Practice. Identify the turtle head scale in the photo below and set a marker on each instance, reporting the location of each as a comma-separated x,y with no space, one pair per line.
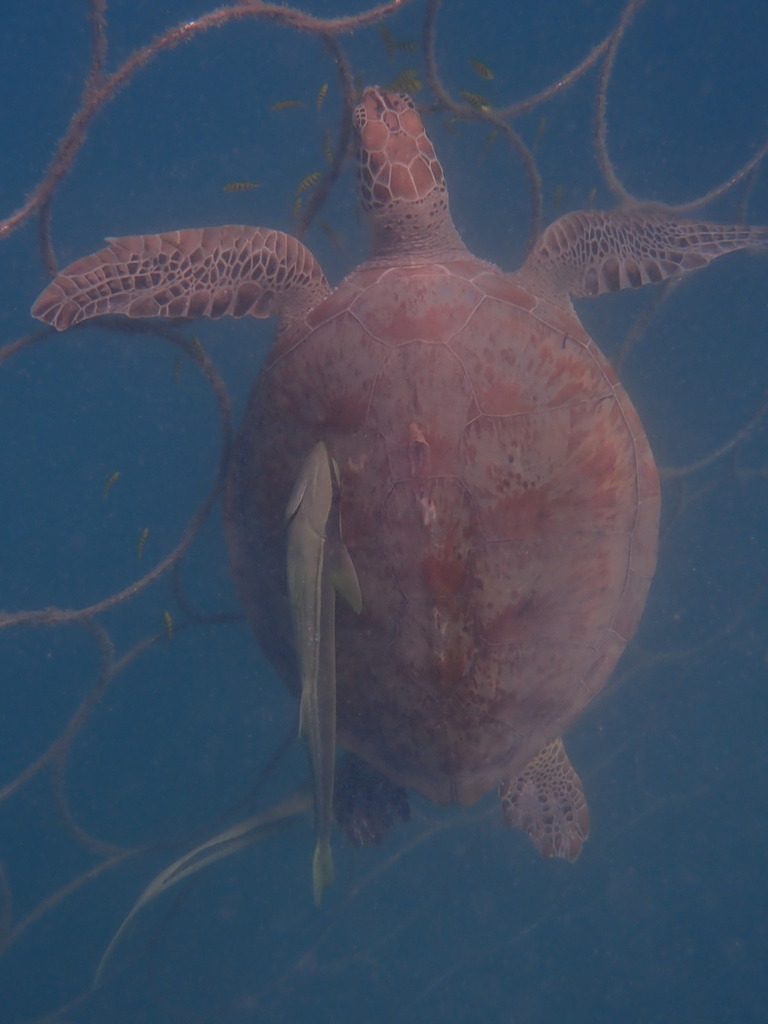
401,182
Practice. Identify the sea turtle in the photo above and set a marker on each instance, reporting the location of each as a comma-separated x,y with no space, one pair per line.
456,458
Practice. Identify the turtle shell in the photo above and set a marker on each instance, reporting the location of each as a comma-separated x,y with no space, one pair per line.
499,501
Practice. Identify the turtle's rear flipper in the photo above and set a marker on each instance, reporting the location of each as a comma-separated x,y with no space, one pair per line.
366,803
547,802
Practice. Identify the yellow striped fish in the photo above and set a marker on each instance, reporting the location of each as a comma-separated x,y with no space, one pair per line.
142,541
111,483
477,100
481,69
307,182
407,81
241,186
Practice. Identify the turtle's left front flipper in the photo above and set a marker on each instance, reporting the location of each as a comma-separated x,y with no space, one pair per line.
234,270
318,566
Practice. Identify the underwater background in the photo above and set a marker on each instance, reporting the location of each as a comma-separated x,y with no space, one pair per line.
664,916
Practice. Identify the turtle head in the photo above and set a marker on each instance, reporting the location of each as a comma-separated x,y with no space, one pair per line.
401,182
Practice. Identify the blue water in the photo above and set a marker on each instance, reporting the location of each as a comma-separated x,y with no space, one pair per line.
663,918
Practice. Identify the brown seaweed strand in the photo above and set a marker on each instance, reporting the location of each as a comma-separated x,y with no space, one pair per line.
98,25
601,132
9,350
111,669
746,193
720,190
53,616
295,18
100,94
610,176
468,112
62,742
6,908
97,18
59,616
640,324
524,106
531,169
55,898
319,194
61,748
741,435
431,72
519,107
45,244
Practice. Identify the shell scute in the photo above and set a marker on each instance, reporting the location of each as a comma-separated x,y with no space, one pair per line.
328,376
434,567
422,436
420,303
502,287
547,589
519,363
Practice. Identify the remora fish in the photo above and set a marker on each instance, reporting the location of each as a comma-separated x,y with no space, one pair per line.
318,566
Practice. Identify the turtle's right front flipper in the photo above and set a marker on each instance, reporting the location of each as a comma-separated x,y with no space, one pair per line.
591,252
233,270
